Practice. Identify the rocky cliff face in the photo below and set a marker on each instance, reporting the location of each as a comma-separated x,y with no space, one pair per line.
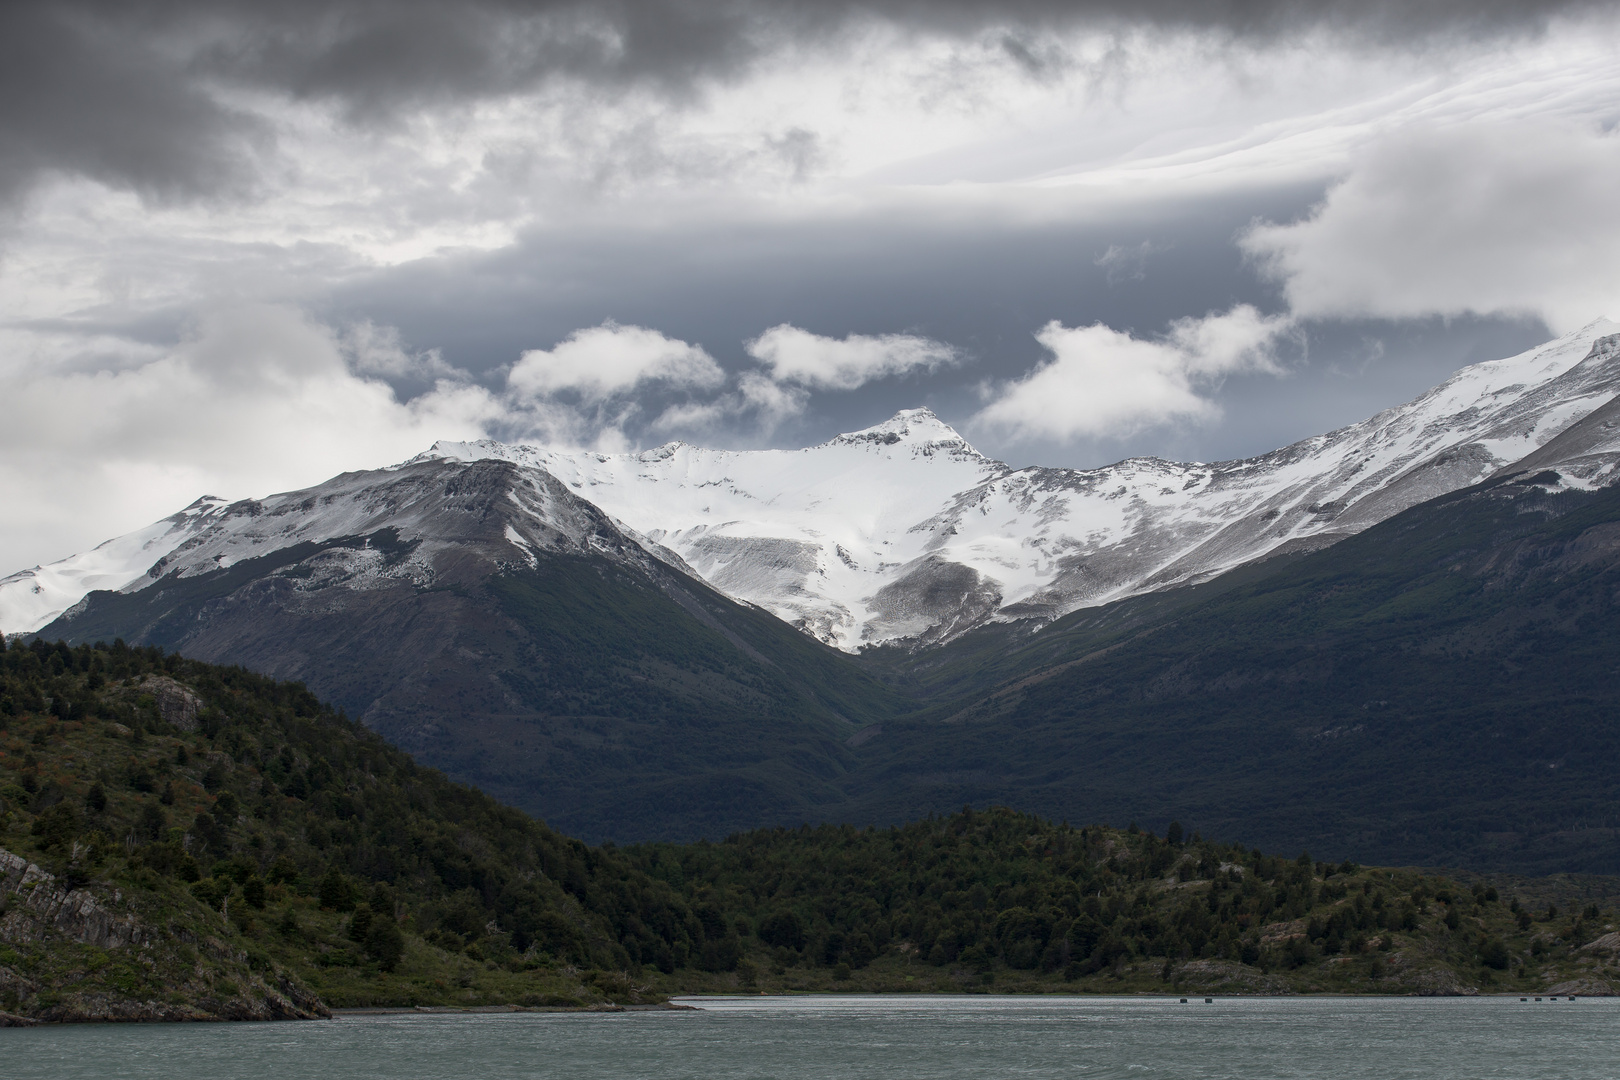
42,978
41,908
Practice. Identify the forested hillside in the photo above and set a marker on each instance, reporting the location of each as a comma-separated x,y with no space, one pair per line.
187,840
1437,690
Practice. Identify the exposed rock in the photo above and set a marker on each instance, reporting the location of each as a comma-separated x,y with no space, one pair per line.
15,985
1607,945
44,908
1272,933
42,913
106,1008
302,998
1209,974
177,704
1586,987
1437,982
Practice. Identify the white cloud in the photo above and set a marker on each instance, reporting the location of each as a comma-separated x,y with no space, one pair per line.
1487,218
770,401
608,360
794,362
758,400
257,399
379,350
797,356
1241,340
1102,382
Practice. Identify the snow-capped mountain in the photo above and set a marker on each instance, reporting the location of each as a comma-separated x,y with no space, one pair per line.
905,532
431,513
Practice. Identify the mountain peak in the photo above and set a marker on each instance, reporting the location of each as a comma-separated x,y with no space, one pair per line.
918,428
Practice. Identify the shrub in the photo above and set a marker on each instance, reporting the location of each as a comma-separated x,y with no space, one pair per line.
211,892
384,942
336,892
57,826
1494,954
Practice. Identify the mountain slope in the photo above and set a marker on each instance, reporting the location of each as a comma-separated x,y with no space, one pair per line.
482,617
1439,689
904,532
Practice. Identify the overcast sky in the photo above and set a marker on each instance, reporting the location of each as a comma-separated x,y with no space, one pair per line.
244,247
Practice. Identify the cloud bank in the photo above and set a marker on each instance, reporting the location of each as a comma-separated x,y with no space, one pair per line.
153,96
258,398
609,360
1490,217
212,216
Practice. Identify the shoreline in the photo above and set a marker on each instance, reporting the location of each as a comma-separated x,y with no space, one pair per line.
451,1010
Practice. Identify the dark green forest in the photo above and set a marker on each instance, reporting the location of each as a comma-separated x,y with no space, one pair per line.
216,804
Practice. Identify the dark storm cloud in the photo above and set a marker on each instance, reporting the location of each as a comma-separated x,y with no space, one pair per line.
78,96
125,92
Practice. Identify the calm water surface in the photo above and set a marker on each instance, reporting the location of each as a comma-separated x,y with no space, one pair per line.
893,1038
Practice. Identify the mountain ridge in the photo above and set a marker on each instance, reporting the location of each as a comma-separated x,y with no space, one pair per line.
904,532
799,536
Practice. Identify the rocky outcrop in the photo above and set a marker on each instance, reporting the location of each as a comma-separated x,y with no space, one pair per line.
1606,946
40,908
111,1009
1438,982
41,915
1586,987
177,704
15,987
1229,976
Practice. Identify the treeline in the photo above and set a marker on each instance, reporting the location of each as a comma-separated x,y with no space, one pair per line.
983,889
135,766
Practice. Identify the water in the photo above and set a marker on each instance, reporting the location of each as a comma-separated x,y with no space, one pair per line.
853,1038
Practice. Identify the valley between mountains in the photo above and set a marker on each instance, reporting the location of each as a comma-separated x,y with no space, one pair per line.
1395,642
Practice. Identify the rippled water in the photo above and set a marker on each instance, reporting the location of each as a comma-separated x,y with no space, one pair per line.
893,1038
